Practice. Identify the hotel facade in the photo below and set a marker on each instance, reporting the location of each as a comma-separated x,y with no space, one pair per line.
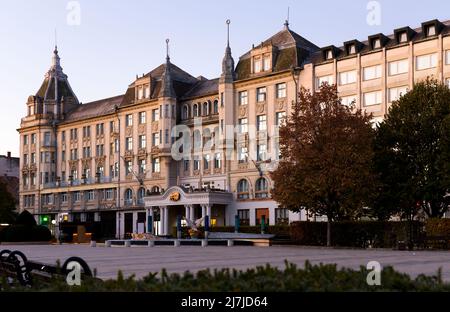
175,145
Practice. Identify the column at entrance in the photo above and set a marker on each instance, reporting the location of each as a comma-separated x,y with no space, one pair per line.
164,213
187,212
192,212
150,220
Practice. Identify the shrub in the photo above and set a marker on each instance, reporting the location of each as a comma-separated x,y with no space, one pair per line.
21,233
280,231
26,219
359,234
437,227
311,278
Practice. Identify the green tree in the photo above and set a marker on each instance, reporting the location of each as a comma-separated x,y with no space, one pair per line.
412,149
7,205
326,161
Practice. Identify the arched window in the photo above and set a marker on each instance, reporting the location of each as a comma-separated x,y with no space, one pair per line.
216,107
195,110
141,194
261,188
242,189
185,112
205,109
128,196
156,189
197,139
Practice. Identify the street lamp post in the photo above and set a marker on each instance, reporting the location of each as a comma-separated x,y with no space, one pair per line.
116,108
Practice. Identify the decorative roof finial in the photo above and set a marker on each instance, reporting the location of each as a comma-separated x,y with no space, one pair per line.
56,43
286,23
228,32
167,51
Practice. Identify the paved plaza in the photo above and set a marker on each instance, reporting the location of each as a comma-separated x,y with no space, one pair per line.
141,260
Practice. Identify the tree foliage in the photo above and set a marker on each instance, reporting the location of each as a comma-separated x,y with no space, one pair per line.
326,157
7,205
412,150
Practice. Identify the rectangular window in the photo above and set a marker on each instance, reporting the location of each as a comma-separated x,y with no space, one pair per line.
128,167
63,155
142,166
109,194
266,62
280,119
242,154
63,137
373,98
86,152
348,100
324,79
87,132
142,141
142,118
64,197
186,165
243,98
25,139
256,64
371,72
217,161
99,129
90,195
261,150
347,77
426,61
431,31
116,145
129,120
46,138
155,114
25,159
196,163
99,150
398,67
155,139
243,125
33,158
111,127
261,94
33,138
156,165
447,57
403,37
281,90
129,144
166,136
261,123
206,160
244,216
281,216
396,93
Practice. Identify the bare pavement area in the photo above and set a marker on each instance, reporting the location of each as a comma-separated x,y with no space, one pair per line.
142,260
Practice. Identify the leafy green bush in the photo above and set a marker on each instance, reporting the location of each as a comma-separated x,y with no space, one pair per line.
359,234
21,233
311,278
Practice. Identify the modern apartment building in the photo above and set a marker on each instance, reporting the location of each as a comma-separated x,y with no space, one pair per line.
175,145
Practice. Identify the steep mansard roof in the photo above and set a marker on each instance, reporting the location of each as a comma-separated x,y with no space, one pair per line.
293,50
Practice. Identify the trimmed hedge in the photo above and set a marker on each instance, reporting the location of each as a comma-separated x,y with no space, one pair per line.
280,231
437,227
311,278
359,234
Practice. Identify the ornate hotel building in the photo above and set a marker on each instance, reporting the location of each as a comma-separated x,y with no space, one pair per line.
116,162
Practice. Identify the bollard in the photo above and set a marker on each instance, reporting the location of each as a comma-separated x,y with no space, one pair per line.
127,243
151,243
176,243
230,243
93,244
108,243
204,242
237,223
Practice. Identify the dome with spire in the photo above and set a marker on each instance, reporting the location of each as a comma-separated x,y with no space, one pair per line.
55,89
